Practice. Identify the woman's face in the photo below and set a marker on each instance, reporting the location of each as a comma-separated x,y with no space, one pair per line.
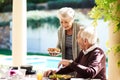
66,23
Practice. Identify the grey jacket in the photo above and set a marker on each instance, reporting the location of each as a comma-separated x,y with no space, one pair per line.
61,40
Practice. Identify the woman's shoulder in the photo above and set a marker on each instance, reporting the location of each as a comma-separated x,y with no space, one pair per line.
78,25
60,28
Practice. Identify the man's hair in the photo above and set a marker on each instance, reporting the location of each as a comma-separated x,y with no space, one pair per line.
90,34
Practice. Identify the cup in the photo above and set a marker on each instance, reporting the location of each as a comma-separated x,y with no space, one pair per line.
23,73
39,76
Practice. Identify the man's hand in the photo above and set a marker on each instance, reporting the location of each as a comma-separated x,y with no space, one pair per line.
64,63
49,72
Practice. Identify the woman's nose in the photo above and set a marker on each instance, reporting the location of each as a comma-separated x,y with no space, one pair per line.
63,24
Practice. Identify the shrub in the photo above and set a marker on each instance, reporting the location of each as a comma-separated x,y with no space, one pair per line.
70,3
5,5
4,24
36,1
7,8
40,7
31,6
5,52
51,20
63,3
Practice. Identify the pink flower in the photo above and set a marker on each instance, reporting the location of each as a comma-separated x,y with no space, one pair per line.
12,72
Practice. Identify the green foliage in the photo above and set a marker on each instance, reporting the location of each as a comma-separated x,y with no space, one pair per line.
56,4
118,8
118,63
5,52
108,10
40,54
40,7
35,19
34,23
7,8
63,3
36,1
5,5
3,24
117,48
1,1
118,26
31,6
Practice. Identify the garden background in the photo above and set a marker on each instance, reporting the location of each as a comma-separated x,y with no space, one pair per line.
42,24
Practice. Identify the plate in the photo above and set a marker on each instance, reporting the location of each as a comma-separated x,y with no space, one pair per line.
60,76
54,51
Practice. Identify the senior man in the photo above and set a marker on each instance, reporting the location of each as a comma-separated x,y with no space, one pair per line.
91,62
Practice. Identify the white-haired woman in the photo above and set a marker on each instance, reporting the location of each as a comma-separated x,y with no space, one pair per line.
67,34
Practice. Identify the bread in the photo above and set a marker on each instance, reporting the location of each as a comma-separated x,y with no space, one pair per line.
56,50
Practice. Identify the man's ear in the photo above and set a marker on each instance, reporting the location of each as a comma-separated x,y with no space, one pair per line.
86,41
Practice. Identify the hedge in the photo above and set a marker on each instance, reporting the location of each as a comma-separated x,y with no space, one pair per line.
70,3
7,52
7,8
4,24
36,1
51,20
31,6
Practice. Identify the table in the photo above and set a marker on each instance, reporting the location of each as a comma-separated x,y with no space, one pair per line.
83,79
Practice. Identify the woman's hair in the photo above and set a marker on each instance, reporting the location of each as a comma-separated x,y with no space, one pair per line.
66,13
90,34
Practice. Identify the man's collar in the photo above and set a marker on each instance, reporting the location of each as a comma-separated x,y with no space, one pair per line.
90,49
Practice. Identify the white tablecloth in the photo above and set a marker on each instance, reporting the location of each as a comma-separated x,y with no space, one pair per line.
82,79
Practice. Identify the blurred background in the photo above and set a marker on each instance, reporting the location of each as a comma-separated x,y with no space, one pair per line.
42,24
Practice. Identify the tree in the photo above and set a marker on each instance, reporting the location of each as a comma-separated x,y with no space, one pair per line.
110,11
5,5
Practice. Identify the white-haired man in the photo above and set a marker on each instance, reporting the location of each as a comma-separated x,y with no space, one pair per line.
91,62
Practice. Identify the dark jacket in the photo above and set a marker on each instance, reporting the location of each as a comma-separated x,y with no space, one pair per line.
93,65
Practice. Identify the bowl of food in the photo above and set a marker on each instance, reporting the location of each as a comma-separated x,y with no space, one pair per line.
54,51
60,77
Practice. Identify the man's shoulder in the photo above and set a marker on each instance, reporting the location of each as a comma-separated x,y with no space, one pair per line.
98,50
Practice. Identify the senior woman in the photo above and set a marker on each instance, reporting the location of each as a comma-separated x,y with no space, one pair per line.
91,62
67,34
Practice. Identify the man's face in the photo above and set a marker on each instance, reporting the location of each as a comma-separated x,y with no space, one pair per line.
80,41
66,23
